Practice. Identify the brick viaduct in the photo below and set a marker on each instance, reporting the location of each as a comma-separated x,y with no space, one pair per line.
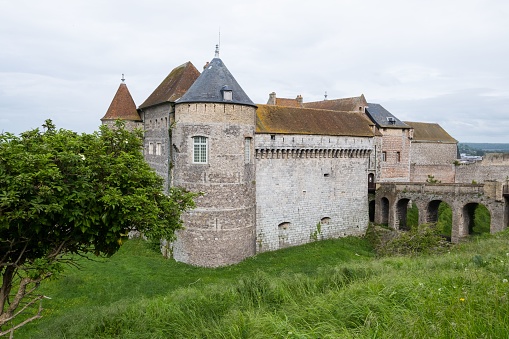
392,199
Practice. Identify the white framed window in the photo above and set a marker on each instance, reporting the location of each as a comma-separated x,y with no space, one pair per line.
150,147
247,150
158,149
200,146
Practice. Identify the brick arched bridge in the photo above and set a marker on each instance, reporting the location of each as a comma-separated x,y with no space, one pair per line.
392,199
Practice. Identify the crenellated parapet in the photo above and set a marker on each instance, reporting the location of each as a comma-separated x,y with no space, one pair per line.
294,153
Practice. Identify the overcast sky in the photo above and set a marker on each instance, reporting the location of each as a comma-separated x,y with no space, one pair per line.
444,61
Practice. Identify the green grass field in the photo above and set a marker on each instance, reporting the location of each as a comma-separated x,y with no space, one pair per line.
328,289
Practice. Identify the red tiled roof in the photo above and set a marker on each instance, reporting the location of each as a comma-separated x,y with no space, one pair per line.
293,120
345,104
174,86
122,106
288,102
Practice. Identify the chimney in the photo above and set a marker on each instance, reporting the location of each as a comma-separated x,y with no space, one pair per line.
272,99
299,100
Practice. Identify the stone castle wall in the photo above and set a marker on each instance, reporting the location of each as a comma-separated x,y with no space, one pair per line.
310,188
435,159
494,166
221,229
156,148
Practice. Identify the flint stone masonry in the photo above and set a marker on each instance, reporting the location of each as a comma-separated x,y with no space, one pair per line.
157,121
221,229
302,188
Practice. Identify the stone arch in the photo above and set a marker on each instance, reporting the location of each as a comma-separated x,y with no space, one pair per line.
473,212
384,211
401,214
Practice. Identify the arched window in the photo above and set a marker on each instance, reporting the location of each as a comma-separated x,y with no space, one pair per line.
200,155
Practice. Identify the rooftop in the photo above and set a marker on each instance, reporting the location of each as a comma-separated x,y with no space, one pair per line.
210,85
173,86
294,120
122,106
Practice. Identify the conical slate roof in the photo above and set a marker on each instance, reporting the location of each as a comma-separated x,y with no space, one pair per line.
173,86
122,106
210,84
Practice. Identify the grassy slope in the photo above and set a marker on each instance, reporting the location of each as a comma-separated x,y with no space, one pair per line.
334,288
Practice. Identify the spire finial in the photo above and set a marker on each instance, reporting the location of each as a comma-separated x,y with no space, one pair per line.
217,51
123,78
325,95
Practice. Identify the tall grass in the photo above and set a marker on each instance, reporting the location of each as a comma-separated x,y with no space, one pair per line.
330,289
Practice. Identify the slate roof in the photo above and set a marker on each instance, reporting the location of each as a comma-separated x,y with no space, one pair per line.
173,86
122,106
344,105
430,132
379,116
272,119
208,86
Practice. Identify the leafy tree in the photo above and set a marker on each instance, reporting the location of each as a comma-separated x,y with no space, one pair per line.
65,194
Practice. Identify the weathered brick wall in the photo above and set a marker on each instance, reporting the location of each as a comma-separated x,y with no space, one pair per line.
396,145
494,166
156,122
221,229
302,180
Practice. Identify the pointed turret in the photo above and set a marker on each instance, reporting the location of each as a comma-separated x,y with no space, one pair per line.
216,84
122,107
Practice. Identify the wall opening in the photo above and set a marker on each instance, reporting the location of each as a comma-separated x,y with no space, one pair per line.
384,205
325,221
440,213
401,215
283,234
477,217
412,215
371,182
372,205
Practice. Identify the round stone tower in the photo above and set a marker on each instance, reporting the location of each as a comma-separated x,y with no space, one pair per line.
213,153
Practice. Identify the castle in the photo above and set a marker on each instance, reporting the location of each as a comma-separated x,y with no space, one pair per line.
282,173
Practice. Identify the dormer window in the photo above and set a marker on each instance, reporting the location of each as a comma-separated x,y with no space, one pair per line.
227,93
